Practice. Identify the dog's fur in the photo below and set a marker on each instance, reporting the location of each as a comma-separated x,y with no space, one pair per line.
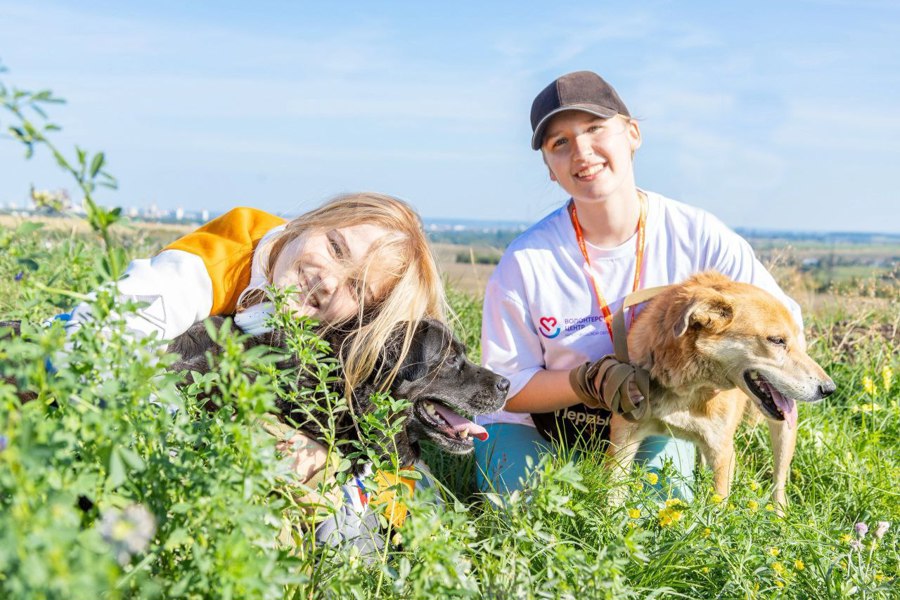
710,345
436,377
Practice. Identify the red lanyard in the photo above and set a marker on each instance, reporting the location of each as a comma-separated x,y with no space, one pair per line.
638,253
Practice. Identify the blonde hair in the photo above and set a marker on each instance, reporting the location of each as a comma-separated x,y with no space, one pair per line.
412,289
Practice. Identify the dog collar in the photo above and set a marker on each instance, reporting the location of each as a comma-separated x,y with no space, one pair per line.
615,371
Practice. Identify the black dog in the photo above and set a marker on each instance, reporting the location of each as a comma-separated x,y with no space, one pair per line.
436,377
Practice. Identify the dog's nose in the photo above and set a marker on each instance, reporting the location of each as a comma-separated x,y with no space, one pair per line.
503,385
827,388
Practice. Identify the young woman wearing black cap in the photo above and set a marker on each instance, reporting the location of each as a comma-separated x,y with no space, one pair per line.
548,305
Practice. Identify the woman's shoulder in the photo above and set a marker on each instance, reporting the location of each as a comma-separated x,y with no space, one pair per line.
688,226
525,256
672,208
246,217
542,235
682,219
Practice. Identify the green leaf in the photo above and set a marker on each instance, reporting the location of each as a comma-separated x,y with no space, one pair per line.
117,475
97,164
410,474
494,498
179,537
61,160
131,458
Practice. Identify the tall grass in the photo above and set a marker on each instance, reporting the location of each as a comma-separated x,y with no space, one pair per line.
104,493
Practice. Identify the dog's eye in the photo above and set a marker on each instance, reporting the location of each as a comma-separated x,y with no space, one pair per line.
778,341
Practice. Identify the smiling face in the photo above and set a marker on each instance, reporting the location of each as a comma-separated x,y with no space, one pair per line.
590,156
332,271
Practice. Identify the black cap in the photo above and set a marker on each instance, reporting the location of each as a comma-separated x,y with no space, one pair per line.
581,90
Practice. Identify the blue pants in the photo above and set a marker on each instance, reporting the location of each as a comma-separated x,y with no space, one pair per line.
500,460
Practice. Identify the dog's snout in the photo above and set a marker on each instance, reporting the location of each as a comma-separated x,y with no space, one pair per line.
827,388
503,384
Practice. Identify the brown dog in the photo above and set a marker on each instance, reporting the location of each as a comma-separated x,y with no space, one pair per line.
709,343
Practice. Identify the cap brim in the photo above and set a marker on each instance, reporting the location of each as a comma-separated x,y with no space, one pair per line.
538,137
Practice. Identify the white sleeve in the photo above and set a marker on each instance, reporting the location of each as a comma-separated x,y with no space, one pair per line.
510,346
731,255
174,285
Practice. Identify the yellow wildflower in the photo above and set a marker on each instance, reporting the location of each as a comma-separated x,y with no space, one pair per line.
846,538
869,385
753,505
774,551
706,532
799,565
673,502
770,507
716,499
652,478
705,570
667,516
634,513
754,486
778,568
879,577
779,583
887,377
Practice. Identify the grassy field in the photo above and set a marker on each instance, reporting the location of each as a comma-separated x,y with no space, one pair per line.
106,495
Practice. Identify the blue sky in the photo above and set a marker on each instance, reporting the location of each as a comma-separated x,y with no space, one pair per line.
777,115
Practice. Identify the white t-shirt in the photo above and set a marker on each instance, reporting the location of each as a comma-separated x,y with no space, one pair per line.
540,311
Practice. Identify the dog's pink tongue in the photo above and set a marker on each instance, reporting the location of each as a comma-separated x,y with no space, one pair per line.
787,406
460,423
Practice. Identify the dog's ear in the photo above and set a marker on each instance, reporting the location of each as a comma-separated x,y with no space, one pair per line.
430,347
415,365
707,310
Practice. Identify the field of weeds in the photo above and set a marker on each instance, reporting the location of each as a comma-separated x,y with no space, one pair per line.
114,483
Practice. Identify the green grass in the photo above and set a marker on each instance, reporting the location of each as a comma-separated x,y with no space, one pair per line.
91,445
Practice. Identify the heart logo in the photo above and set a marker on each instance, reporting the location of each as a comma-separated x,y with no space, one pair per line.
548,323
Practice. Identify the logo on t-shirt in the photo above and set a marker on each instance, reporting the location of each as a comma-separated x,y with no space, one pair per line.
549,327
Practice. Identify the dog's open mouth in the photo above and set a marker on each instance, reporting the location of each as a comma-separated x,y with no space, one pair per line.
448,423
773,402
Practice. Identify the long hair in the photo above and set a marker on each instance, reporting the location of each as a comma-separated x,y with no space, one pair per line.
412,288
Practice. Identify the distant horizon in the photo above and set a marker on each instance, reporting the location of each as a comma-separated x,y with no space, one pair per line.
739,230
488,224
